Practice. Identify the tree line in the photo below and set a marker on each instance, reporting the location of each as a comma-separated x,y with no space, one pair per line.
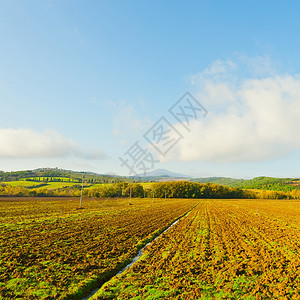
173,189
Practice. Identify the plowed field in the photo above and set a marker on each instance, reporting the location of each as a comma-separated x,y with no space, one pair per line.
223,249
51,250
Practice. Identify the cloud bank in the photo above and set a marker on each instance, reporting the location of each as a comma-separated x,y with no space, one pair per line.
27,143
250,118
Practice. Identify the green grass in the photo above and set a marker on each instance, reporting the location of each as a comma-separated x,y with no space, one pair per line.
58,185
48,185
22,183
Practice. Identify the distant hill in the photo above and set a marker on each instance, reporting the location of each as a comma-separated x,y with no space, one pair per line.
163,173
261,183
160,175
219,180
56,175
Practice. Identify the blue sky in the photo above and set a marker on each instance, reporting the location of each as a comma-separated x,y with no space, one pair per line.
82,81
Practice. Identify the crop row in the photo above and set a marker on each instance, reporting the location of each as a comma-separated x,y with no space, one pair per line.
224,249
52,250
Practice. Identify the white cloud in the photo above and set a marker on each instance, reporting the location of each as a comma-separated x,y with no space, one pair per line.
27,143
219,67
249,119
260,65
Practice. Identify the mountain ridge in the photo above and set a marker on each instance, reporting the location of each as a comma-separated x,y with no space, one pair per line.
163,173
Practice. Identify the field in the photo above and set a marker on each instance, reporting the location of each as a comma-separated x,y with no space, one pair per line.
23,183
52,250
223,249
58,185
41,185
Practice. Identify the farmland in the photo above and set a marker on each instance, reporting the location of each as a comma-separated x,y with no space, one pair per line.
223,249
51,249
21,183
40,186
